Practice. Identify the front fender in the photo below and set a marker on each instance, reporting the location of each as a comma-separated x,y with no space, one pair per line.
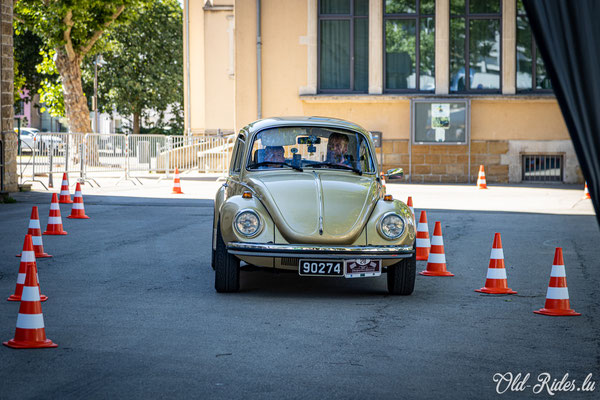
382,207
219,199
228,211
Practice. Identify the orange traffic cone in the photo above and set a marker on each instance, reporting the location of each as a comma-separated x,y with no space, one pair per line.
495,282
77,210
436,263
36,234
557,296
383,182
586,193
65,196
423,243
30,332
54,226
409,203
176,183
481,184
27,258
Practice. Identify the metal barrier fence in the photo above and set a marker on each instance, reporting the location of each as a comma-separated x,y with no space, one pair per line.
90,154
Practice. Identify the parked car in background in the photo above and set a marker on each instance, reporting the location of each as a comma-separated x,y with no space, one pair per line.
305,194
32,138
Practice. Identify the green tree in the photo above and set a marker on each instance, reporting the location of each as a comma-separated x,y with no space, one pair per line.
72,28
27,56
144,64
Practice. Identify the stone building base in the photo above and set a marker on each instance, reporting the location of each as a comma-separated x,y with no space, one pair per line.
450,163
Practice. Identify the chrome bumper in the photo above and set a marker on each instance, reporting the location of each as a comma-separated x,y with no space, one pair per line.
318,251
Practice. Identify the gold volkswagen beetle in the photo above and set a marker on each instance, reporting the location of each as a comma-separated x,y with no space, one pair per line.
305,194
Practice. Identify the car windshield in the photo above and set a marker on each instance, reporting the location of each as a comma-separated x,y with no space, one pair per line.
310,147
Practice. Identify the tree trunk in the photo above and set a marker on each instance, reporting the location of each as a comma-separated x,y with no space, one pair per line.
76,108
136,123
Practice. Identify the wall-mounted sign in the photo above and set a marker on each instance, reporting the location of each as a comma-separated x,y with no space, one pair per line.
440,122
376,138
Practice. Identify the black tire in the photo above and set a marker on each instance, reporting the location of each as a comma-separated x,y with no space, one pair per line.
401,276
227,268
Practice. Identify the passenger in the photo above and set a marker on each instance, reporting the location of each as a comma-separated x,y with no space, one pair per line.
274,154
337,147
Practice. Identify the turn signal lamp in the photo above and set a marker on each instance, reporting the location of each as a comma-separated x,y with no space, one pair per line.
247,195
388,197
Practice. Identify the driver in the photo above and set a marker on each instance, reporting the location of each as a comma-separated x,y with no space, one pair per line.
337,147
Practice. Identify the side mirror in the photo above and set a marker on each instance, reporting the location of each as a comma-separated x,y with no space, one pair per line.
394,173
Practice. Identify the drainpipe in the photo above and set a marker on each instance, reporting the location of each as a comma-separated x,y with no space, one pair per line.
258,63
187,66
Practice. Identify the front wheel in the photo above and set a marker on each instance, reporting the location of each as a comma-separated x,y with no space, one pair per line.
401,276
227,267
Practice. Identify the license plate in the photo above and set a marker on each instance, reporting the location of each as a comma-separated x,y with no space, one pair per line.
361,268
321,268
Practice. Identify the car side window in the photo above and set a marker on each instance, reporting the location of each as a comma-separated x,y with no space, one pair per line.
237,155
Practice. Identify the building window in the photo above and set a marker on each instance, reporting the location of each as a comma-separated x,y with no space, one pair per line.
531,72
475,45
409,42
343,45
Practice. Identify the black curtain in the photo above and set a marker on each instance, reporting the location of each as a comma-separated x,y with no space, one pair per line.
567,34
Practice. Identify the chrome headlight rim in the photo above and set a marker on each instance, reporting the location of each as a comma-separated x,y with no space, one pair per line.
242,234
380,226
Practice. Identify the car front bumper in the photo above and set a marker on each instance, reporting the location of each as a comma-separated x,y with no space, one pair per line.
318,251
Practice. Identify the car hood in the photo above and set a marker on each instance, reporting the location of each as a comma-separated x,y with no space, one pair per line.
299,201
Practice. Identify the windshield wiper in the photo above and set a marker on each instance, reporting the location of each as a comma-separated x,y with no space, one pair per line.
260,164
337,166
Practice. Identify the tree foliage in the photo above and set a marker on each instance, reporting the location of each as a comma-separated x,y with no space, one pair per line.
72,28
144,64
27,56
144,69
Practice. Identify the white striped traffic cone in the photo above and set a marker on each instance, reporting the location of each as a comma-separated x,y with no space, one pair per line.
409,203
36,234
54,226
495,282
176,183
557,296
77,210
30,332
383,182
586,193
436,263
27,258
65,196
422,242
481,183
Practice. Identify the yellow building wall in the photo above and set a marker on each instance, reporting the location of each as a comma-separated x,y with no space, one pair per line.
245,62
196,114
517,120
220,88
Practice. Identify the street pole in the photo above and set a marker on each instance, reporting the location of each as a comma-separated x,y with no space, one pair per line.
96,95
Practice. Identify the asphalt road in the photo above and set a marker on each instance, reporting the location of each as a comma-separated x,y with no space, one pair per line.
133,310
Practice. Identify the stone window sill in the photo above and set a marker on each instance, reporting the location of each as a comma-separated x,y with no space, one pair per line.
395,97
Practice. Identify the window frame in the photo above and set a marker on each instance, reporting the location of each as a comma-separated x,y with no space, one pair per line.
349,17
365,137
467,16
417,16
534,63
237,155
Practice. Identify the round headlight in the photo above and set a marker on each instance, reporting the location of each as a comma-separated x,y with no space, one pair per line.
247,223
391,226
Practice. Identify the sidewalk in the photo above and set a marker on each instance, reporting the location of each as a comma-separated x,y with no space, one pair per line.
546,199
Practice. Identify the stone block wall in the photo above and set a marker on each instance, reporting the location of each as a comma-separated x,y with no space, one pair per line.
448,163
9,139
